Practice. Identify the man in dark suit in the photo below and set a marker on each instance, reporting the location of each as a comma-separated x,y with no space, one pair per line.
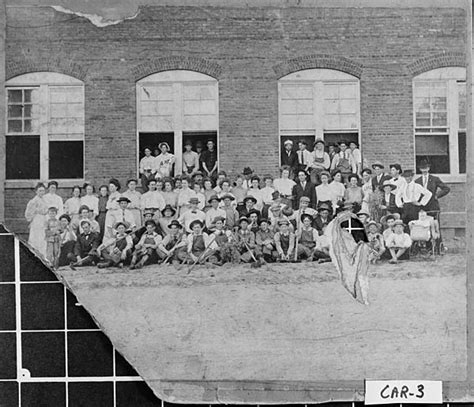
304,187
85,250
380,177
433,184
289,157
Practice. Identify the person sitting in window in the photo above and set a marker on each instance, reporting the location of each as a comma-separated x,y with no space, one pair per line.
289,158
353,194
357,156
72,205
304,156
164,162
147,168
319,161
190,159
344,161
208,160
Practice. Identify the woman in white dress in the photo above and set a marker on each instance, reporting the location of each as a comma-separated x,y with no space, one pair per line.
338,188
35,214
134,205
90,199
112,207
53,199
284,185
72,205
366,189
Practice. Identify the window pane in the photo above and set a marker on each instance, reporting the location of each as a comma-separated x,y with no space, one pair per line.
22,157
27,95
66,159
14,111
435,149
462,152
440,119
462,105
14,126
439,164
14,96
27,110
28,128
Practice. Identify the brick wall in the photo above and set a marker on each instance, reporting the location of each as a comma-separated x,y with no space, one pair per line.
247,50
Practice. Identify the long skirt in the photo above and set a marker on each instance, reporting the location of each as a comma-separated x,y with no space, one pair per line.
37,238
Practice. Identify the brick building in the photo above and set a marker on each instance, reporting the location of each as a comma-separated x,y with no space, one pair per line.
83,100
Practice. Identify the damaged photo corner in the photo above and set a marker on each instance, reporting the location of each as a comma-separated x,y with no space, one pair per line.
147,162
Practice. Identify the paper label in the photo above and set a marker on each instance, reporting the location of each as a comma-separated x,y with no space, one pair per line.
403,391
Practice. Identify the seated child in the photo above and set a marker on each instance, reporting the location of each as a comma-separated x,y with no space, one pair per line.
53,237
376,241
309,245
115,251
173,246
265,241
284,241
245,241
146,248
85,249
223,239
200,245
67,239
398,242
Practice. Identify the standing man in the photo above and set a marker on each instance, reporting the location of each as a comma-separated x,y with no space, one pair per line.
432,184
147,169
411,197
289,157
209,160
305,188
164,162
304,155
380,177
190,160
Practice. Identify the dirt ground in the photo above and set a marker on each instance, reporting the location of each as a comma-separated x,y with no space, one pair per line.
282,321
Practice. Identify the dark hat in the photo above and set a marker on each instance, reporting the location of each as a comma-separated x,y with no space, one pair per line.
324,207
164,143
84,221
247,171
325,173
393,216
388,183
319,140
53,208
125,224
217,219
188,143
199,143
398,222
255,177
196,222
213,198
150,222
243,219
424,164
132,180
123,199
168,207
408,173
306,216
174,222
373,222
228,196
396,166
367,170
305,198
65,216
250,198
253,211
283,221
194,199
348,206
287,211
264,220
275,195
53,183
197,173
377,164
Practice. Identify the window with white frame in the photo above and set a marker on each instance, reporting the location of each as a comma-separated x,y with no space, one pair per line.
439,104
44,127
175,106
319,103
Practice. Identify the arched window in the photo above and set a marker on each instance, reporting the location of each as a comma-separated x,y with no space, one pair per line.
439,113
319,103
44,127
177,106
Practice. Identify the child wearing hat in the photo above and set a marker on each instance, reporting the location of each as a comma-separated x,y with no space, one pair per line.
379,176
164,162
213,212
116,250
376,241
245,240
284,241
387,202
231,214
174,245
146,248
249,205
167,215
192,214
53,237
265,241
398,242
322,219
200,245
276,215
223,238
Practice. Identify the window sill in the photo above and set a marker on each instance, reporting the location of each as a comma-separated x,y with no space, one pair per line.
452,179
30,184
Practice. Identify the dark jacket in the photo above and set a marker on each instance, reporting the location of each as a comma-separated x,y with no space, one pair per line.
434,183
391,204
309,191
376,184
319,224
86,244
291,160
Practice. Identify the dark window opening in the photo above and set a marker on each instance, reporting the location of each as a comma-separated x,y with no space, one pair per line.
435,150
22,157
66,159
462,152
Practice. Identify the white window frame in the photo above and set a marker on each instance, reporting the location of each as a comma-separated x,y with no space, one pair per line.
451,76
42,81
177,79
318,77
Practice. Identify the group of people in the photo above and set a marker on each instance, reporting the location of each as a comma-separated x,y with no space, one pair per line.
196,217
